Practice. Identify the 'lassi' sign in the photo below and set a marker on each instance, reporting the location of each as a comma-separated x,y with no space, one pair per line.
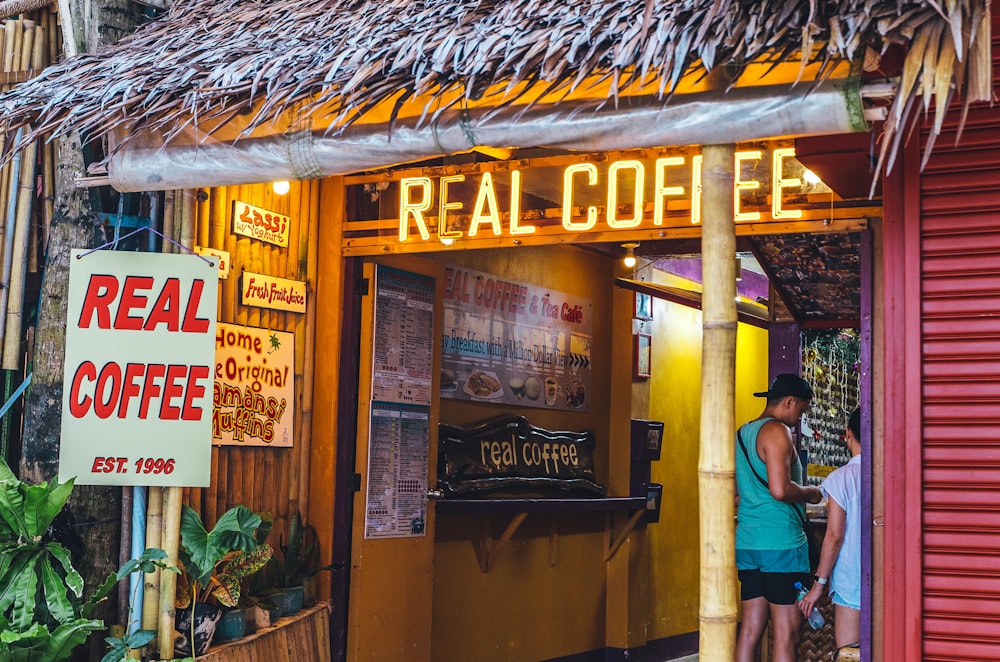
140,346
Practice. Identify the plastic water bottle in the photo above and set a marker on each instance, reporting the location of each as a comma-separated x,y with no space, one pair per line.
816,619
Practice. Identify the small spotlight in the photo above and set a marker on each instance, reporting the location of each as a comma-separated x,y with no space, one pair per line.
739,270
629,259
281,187
447,241
810,177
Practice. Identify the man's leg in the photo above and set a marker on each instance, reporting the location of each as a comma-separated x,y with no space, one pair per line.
755,613
846,625
786,622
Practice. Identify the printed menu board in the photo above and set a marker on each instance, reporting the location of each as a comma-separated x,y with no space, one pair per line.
510,342
399,423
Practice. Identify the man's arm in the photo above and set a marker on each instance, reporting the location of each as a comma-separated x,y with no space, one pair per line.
774,443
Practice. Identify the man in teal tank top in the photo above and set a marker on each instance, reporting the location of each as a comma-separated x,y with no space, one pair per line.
771,549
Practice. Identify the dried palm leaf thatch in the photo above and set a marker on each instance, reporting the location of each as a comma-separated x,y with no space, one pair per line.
205,60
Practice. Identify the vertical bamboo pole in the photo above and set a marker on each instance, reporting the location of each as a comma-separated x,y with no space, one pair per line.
37,64
154,538
716,459
9,28
173,497
168,580
312,256
168,221
15,298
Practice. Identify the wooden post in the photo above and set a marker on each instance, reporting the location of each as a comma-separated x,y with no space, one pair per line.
716,460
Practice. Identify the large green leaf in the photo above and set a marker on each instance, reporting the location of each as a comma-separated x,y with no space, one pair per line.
237,529
56,599
73,579
37,644
12,508
21,564
25,592
203,549
42,503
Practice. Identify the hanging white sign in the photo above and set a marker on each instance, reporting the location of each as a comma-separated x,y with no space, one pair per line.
140,346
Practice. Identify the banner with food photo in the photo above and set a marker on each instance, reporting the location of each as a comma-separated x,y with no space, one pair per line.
514,343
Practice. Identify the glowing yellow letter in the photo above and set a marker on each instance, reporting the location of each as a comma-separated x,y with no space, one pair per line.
660,191
745,185
407,207
515,206
637,190
696,189
443,231
567,207
779,183
487,196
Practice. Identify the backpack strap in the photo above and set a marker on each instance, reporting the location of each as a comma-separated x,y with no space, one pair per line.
800,512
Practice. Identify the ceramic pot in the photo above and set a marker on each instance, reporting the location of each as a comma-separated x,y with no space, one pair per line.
206,618
293,599
258,618
232,626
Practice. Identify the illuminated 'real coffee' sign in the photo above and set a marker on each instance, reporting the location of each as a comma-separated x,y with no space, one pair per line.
624,188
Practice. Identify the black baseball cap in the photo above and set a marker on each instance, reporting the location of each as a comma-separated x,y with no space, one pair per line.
788,384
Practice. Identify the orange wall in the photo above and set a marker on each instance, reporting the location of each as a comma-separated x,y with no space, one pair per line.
541,599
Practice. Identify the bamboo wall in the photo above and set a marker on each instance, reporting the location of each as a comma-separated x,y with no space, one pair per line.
28,44
273,480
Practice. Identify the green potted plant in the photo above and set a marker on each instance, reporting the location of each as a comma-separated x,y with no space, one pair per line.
43,612
215,564
299,562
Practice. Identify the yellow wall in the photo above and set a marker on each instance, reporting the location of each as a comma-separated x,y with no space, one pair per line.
675,398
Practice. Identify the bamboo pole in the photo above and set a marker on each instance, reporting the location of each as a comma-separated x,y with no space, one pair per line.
168,221
312,250
52,20
9,28
7,229
168,580
37,63
173,497
15,297
27,45
154,538
716,459
12,53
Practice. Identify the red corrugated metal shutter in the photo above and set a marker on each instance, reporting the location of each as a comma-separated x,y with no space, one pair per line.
960,312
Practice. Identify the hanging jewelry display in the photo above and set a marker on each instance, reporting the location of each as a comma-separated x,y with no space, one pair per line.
830,363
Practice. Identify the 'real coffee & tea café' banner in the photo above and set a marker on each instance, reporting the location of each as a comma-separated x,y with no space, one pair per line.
510,342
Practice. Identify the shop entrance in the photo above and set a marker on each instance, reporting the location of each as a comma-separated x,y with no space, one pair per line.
546,259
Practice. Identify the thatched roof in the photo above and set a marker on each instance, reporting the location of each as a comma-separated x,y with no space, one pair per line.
210,59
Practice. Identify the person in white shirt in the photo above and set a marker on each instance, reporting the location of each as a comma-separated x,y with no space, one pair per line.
840,557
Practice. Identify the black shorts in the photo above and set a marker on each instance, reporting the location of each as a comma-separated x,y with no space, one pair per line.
778,588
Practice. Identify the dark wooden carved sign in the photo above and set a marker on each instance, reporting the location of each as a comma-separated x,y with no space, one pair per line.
508,453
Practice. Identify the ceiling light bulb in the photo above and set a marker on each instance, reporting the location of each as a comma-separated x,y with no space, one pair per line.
629,259
281,187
